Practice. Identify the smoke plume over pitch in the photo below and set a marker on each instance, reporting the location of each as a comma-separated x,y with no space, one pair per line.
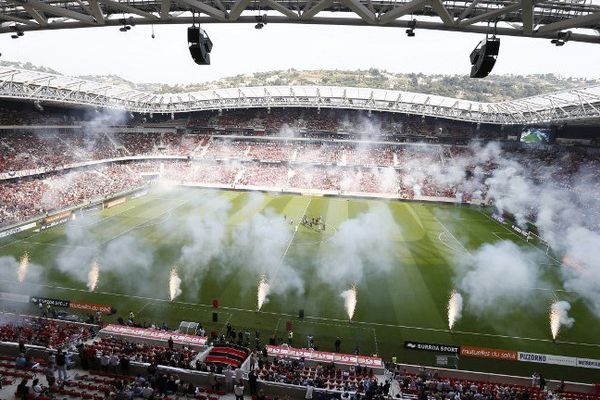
360,246
498,274
260,245
559,317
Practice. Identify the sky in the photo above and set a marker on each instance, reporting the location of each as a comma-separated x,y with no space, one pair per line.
241,49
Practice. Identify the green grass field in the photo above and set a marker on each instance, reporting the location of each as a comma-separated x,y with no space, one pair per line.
407,303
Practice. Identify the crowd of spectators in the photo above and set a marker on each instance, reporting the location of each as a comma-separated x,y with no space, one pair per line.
110,353
40,332
288,161
405,171
37,196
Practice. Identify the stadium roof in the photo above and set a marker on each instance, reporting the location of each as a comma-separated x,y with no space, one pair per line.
531,18
559,107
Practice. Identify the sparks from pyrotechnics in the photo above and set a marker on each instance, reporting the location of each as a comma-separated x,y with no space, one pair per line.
455,304
350,299
93,276
263,291
23,265
174,284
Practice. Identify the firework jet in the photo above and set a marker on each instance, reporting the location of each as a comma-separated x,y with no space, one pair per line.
349,297
174,284
455,305
263,291
559,316
23,265
93,276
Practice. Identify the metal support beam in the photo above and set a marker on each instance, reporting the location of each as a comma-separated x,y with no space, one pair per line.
468,10
491,14
527,16
96,11
204,8
317,8
404,9
576,22
237,8
127,8
282,9
58,11
37,15
442,12
361,10
5,17
165,7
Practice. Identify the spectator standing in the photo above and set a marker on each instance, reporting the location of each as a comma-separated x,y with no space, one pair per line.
338,344
239,390
61,363
49,372
228,379
309,391
252,382
22,390
239,374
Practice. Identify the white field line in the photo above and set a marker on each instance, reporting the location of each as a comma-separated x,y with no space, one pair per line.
375,338
295,231
338,320
450,233
520,237
145,222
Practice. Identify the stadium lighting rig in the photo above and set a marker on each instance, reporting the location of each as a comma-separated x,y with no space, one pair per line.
18,32
563,37
410,32
127,24
261,21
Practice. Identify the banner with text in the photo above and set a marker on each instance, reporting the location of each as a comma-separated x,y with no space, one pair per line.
439,348
322,356
153,334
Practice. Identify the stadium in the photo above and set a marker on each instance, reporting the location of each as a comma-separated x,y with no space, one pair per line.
298,241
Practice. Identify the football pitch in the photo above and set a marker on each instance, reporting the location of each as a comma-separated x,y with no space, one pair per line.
405,303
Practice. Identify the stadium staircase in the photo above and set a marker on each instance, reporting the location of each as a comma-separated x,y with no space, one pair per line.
227,355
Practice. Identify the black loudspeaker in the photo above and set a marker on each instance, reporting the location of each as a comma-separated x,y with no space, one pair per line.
200,45
301,313
483,57
215,317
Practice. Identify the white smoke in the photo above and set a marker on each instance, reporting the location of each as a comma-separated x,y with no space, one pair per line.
498,274
582,273
260,245
205,234
12,269
360,245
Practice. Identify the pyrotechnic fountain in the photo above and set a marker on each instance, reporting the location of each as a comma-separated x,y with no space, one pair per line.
93,276
263,291
23,265
455,305
350,300
174,284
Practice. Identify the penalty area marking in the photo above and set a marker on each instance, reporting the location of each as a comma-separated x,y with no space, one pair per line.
337,325
407,327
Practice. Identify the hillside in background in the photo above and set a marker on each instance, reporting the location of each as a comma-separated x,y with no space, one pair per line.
491,89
